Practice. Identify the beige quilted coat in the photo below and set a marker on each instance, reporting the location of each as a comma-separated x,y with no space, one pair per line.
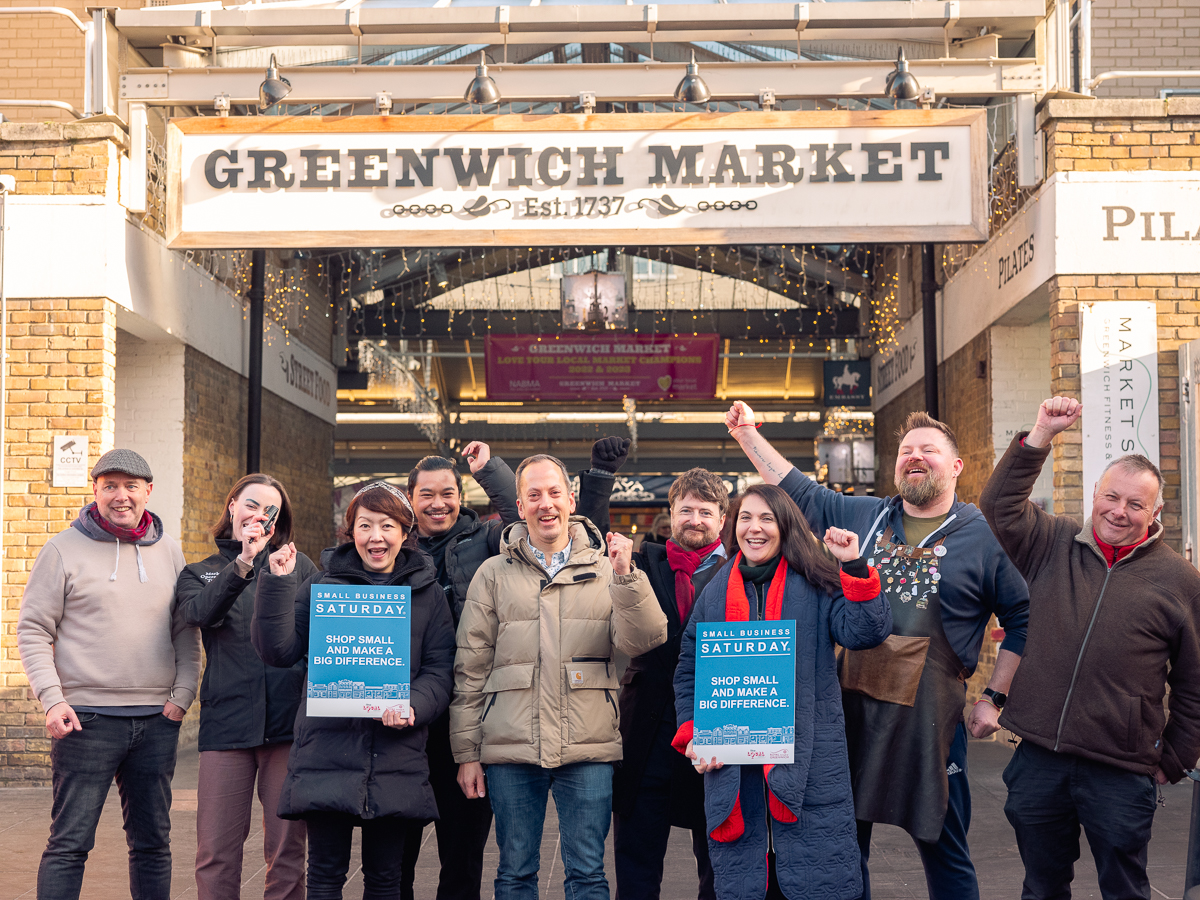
535,679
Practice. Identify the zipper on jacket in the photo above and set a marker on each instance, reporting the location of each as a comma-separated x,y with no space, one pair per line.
603,659
491,703
608,696
1062,720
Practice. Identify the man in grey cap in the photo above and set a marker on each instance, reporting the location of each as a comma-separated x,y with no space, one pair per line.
115,668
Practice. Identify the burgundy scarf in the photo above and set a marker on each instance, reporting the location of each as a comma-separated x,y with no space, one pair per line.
684,564
129,535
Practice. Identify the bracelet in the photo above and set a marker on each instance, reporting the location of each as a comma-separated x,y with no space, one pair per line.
746,425
988,701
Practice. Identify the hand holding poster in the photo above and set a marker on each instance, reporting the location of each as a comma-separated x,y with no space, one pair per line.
358,645
745,692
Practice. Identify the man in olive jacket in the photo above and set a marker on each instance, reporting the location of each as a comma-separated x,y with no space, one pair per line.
535,694
1111,606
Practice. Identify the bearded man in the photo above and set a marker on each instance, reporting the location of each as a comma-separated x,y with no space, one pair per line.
945,576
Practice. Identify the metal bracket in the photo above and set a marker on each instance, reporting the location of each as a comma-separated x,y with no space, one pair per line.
221,105
383,103
587,102
766,99
146,87
1027,78
651,24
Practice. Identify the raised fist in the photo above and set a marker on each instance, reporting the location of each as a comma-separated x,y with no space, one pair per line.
842,544
739,414
1058,414
609,453
477,454
620,552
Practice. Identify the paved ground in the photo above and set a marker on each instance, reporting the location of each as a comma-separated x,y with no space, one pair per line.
24,818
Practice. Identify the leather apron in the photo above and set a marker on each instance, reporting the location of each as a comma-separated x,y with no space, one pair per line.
904,699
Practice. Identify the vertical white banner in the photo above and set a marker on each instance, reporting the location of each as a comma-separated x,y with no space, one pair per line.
1118,358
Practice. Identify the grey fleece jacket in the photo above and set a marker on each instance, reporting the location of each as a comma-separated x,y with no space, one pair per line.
99,625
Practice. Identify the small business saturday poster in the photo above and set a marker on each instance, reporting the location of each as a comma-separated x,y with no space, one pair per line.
358,640
745,691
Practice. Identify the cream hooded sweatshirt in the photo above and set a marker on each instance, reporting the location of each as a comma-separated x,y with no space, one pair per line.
99,625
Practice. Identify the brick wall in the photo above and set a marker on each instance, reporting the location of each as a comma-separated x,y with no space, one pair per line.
1134,135
61,374
1144,34
297,448
76,158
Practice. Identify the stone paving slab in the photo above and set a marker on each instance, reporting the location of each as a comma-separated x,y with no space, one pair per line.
896,868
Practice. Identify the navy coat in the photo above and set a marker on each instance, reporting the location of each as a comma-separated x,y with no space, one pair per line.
817,855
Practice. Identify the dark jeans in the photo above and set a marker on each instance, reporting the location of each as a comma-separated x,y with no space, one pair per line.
583,798
139,751
462,826
329,837
949,872
640,838
1050,795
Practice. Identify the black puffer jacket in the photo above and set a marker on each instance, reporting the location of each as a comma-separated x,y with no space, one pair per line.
243,701
360,766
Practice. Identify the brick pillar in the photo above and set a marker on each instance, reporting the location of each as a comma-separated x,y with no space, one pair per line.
61,380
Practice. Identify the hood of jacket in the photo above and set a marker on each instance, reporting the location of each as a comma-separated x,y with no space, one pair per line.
412,566
587,543
83,522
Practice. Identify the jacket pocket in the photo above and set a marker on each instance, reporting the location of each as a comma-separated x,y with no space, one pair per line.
592,714
508,707
890,672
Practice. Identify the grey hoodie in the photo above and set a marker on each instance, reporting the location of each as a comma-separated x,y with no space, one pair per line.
99,625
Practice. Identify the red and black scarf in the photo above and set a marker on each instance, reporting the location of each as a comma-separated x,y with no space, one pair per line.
684,564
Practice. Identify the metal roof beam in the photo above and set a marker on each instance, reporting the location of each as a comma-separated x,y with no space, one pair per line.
631,82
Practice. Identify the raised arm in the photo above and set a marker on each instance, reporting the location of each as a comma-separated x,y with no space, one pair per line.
596,483
769,462
638,622
1024,530
496,478
279,627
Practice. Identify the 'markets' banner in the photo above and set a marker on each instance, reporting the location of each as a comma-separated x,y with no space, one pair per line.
454,181
601,367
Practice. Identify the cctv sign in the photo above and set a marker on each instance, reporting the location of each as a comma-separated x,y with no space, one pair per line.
306,181
70,467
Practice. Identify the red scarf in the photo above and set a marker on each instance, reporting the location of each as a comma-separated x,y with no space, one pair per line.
129,535
684,564
737,607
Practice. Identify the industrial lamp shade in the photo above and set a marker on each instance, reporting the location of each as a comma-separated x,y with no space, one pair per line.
692,88
902,84
482,89
274,88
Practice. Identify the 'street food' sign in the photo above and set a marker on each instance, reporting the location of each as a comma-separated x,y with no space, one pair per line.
512,180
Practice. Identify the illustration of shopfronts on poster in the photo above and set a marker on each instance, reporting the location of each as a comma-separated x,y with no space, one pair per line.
745,692
358,646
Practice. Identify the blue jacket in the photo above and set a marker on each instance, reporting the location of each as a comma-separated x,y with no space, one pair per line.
817,855
978,579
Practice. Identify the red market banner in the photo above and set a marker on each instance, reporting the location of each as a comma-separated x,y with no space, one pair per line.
601,367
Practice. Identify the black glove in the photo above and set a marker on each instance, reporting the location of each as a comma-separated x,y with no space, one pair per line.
608,454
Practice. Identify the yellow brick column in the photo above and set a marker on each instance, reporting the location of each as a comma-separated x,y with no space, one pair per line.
61,380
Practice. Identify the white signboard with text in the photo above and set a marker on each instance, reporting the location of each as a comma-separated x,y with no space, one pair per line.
832,176
1118,359
900,365
70,466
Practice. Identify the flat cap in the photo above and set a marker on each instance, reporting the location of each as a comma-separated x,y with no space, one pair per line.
122,460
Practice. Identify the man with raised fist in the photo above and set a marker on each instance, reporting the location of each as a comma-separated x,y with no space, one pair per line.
1112,622
944,575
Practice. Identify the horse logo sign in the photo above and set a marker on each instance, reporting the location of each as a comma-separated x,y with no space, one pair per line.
847,382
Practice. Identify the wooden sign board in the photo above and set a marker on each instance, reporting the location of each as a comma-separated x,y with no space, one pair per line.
673,178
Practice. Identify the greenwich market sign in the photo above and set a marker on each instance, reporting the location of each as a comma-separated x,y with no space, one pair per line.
910,175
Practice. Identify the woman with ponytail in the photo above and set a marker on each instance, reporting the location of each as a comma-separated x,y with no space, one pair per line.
787,831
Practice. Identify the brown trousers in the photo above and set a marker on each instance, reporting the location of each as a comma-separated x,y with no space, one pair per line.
223,809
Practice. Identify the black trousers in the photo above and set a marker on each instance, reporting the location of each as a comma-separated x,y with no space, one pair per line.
640,838
329,855
462,828
1050,795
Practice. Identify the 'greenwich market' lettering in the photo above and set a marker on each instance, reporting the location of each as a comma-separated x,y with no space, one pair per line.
515,167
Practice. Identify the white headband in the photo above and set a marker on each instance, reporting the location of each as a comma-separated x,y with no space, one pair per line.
391,489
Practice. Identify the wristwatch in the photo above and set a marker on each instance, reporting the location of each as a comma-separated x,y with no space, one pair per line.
997,698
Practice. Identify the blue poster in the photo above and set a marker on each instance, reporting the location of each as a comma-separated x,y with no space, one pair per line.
745,691
358,640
